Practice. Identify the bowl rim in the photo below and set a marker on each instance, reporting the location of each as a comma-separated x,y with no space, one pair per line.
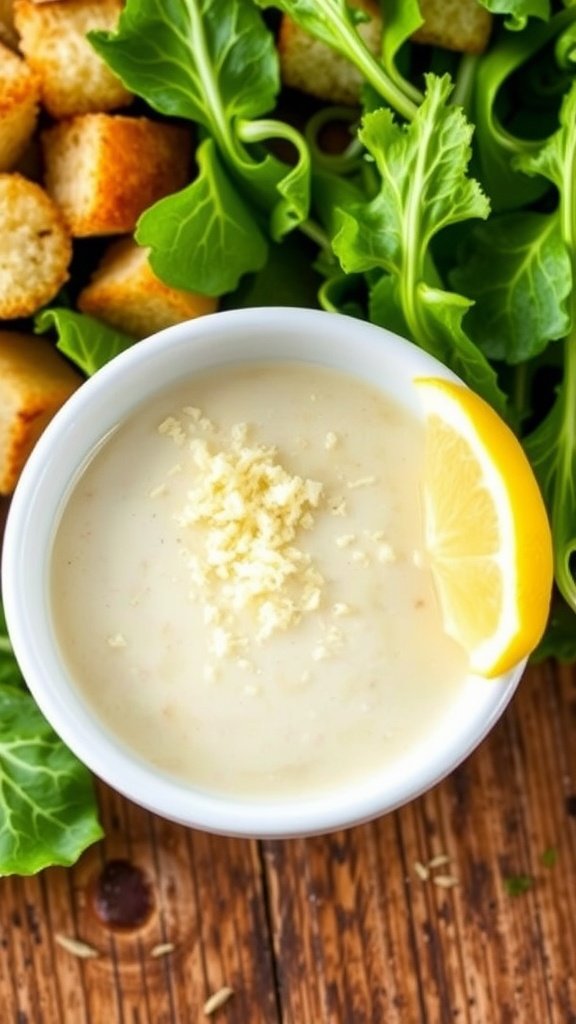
111,394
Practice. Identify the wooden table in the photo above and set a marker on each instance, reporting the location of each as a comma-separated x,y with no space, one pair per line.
337,929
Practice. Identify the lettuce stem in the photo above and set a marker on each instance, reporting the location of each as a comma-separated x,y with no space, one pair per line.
218,118
352,46
374,73
464,83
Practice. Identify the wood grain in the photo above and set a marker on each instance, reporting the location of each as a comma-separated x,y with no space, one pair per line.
337,929
360,938
208,903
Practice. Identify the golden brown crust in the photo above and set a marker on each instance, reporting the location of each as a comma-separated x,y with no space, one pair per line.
125,293
18,83
35,381
19,95
37,248
73,78
127,164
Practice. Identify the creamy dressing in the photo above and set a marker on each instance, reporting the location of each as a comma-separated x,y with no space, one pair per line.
339,694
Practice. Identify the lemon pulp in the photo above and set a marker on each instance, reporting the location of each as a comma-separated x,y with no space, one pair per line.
486,529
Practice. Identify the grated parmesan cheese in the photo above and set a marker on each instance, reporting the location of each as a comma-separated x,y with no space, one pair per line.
157,492
117,640
249,510
345,540
329,646
171,427
193,412
340,608
386,553
363,481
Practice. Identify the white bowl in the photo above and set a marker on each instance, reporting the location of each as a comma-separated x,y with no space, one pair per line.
109,397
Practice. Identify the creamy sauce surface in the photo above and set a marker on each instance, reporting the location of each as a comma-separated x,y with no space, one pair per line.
338,695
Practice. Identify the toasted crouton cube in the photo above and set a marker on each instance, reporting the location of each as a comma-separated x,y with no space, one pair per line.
104,170
74,79
8,34
35,381
35,247
18,107
461,25
125,293
313,67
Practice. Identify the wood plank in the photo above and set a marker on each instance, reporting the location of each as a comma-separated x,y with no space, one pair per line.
208,901
356,936
360,938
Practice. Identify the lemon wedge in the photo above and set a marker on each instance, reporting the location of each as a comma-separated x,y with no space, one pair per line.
486,530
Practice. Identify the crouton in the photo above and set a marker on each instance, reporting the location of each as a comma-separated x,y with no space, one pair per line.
35,247
125,293
8,34
104,170
74,79
35,381
311,66
18,107
461,25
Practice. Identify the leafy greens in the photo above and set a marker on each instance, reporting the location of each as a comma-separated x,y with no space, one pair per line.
335,22
423,189
552,446
212,62
47,809
87,342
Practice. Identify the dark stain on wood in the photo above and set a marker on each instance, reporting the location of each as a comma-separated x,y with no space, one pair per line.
122,895
570,805
32,922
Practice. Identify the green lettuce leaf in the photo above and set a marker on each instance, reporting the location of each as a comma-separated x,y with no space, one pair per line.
401,19
47,810
332,193
519,11
517,269
552,446
497,146
87,342
565,48
551,449
424,189
441,314
556,160
287,279
205,237
281,190
212,62
344,293
334,23
48,813
205,60
559,640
